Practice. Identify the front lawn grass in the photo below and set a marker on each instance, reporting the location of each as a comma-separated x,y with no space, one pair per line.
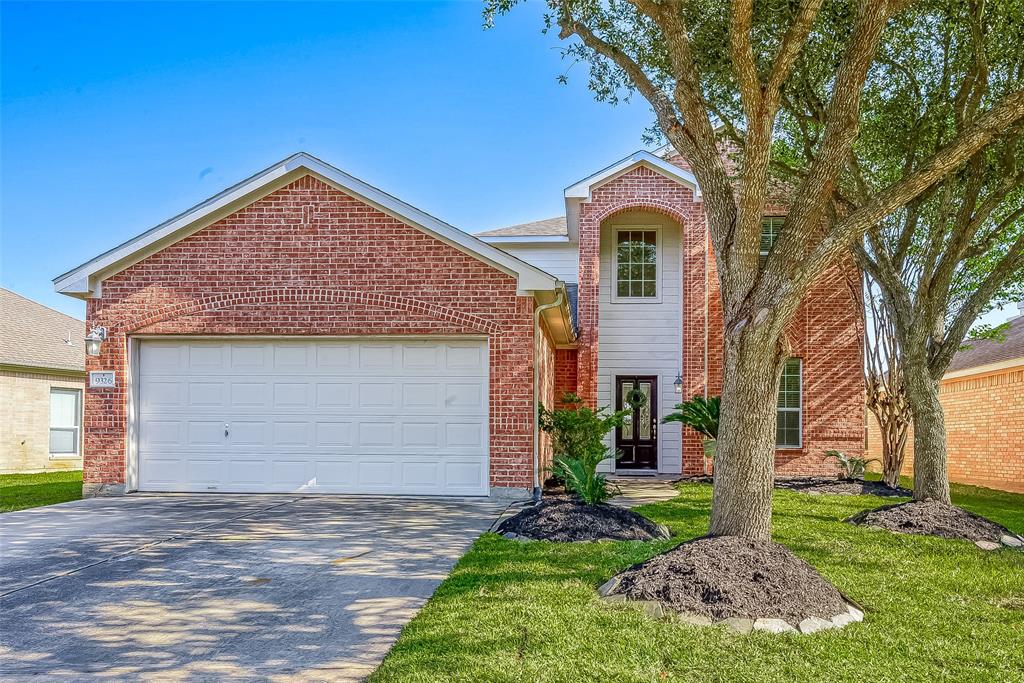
20,491
935,609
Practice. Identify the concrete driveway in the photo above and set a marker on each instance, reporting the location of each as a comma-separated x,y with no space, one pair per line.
203,587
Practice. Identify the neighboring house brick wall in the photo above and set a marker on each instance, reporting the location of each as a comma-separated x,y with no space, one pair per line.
310,260
824,331
25,421
984,430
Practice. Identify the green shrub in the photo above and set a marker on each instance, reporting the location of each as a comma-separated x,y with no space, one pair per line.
699,414
852,467
577,439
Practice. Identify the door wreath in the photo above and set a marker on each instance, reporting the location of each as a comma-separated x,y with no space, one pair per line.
636,398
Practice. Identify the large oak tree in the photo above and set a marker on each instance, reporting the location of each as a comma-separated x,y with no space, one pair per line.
712,66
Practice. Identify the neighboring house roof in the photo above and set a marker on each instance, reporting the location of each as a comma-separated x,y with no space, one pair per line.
983,353
85,280
32,335
549,227
582,191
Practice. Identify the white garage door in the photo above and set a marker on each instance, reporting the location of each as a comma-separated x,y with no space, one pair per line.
327,416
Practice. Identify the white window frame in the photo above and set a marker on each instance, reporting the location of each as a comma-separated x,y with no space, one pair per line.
76,428
799,410
658,253
763,255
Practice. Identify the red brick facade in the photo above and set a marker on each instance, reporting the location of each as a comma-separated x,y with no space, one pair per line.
824,333
308,259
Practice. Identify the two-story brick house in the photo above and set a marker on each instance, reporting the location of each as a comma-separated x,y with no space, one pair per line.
305,331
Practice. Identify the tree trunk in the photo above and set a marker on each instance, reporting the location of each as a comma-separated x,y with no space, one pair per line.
894,441
931,477
891,415
745,457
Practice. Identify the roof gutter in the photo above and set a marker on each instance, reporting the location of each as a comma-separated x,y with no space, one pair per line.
559,300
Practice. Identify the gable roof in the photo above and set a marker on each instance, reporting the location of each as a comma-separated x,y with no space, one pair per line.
548,227
985,352
85,280
35,336
582,190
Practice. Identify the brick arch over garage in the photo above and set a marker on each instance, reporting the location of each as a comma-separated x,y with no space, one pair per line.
308,295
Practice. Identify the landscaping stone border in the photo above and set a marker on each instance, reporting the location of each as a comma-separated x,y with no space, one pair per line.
740,625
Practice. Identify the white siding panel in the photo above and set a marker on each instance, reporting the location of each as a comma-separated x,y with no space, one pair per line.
643,338
560,259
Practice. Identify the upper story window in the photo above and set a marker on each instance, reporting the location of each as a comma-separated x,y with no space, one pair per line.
770,228
636,264
65,422
788,432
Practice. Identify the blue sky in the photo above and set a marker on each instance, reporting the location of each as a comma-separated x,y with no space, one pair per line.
117,116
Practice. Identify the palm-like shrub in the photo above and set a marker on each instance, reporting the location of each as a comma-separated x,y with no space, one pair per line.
852,467
699,414
577,439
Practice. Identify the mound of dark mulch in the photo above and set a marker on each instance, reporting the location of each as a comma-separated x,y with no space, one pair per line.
565,519
729,576
931,518
843,487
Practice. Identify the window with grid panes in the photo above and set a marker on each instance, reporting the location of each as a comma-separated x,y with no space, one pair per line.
636,263
770,227
787,431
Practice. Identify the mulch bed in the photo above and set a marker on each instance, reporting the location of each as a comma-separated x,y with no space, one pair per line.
931,518
843,487
564,519
729,576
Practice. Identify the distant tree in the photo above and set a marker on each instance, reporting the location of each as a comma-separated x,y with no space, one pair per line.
705,63
883,380
958,248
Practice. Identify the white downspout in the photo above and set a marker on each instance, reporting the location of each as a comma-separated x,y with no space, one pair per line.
536,386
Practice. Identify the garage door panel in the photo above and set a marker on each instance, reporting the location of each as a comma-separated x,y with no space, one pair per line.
335,395
337,416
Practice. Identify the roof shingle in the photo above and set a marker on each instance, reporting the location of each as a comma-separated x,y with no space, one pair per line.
33,335
986,351
549,227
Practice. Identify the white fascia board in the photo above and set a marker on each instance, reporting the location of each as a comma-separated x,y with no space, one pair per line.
525,239
84,280
584,188
583,191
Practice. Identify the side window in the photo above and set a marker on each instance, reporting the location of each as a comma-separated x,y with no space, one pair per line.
65,422
636,264
770,228
790,406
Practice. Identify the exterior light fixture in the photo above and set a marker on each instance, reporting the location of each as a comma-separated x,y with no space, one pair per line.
94,341
678,384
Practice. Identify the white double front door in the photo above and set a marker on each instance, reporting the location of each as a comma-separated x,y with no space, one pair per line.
376,415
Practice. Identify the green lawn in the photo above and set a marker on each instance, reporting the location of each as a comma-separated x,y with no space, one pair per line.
936,609
20,491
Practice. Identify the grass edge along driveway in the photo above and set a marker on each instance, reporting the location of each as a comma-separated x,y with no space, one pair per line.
936,609
22,491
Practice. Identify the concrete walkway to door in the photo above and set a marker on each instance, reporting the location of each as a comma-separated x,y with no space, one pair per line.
215,587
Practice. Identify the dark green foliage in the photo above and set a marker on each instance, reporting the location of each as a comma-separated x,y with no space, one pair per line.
699,413
577,439
852,467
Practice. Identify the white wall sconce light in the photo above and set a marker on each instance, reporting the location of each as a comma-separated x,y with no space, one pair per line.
94,341
678,384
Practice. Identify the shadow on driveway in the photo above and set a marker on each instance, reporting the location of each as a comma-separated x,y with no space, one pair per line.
205,587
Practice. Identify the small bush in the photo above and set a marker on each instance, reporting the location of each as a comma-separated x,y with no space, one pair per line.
852,467
577,438
699,414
